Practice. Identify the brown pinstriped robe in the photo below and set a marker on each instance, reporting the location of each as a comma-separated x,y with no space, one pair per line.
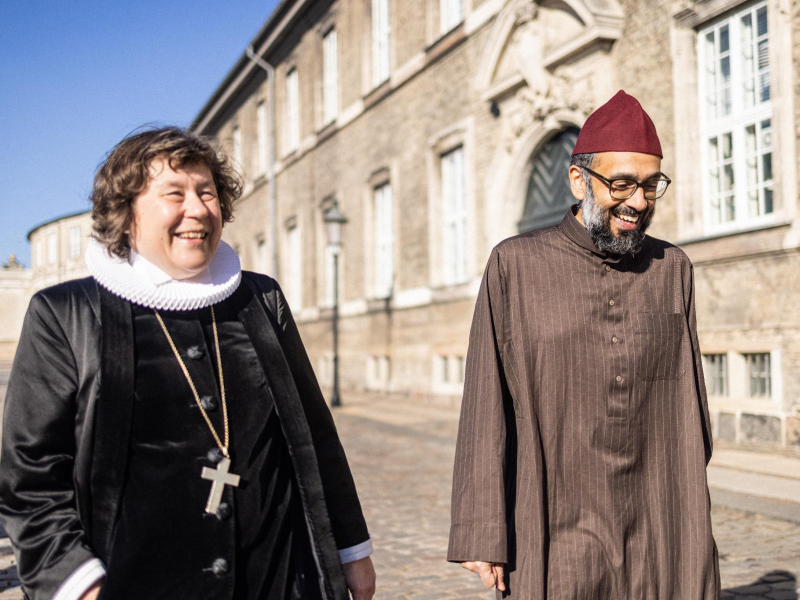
584,429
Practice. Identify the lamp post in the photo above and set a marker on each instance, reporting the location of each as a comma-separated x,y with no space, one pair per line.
334,219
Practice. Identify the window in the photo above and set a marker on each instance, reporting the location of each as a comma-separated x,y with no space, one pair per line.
716,374
330,89
448,372
52,248
759,374
75,242
454,206
451,13
294,268
237,148
736,118
381,38
263,126
263,256
379,372
384,263
292,111
39,254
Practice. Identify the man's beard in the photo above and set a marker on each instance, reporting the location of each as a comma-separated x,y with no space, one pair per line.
598,224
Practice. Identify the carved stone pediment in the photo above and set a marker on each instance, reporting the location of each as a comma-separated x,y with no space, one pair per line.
533,40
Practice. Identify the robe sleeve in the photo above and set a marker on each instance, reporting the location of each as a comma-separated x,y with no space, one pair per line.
697,359
478,529
37,494
341,498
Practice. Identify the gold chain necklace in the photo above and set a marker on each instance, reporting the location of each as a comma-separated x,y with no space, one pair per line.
220,476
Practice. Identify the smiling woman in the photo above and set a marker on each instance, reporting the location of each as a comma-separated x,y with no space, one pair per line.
146,164
177,221
152,408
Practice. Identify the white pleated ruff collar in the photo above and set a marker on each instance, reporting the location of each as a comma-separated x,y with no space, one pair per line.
139,281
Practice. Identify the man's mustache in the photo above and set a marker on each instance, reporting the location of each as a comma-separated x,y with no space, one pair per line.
627,210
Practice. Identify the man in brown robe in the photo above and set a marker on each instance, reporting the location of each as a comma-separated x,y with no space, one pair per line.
585,432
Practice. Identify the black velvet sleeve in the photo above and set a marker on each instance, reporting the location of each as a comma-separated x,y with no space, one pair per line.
341,498
37,495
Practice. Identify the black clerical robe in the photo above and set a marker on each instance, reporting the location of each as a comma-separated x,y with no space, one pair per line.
584,430
82,446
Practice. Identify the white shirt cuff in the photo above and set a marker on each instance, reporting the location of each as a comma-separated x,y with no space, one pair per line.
81,580
354,553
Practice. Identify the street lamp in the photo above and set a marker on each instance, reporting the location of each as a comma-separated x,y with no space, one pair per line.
334,219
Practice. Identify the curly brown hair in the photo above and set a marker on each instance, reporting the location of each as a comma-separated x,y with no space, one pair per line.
125,174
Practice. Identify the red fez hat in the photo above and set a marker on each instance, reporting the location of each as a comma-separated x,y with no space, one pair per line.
620,125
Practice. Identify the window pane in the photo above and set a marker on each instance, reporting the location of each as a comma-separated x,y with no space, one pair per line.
762,21
759,372
735,74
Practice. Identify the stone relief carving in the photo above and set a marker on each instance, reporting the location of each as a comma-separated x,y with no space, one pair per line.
534,105
546,92
528,10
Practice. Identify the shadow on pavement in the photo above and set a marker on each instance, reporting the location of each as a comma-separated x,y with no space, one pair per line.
775,585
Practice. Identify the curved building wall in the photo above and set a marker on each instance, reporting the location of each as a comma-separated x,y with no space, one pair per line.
57,250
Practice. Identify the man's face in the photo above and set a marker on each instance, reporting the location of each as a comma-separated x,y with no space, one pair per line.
177,221
616,226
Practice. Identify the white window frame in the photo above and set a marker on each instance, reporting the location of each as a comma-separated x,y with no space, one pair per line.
292,110
711,362
294,268
454,216
743,162
451,13
237,149
75,242
330,77
263,255
384,240
262,124
766,359
52,249
381,42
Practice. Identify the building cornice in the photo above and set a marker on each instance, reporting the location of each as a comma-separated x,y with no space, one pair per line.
271,33
51,221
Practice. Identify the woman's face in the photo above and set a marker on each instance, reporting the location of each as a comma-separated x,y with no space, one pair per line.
177,222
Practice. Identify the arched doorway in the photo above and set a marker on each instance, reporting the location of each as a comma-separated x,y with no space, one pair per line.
548,196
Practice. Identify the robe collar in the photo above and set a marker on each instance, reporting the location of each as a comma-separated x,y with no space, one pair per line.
139,281
575,231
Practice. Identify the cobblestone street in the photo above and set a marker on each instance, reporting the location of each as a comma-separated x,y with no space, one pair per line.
402,453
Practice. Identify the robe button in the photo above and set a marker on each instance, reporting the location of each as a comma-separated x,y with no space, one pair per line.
215,455
611,303
195,352
608,268
220,567
619,378
208,403
615,339
224,511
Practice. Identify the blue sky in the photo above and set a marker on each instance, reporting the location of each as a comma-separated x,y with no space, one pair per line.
76,77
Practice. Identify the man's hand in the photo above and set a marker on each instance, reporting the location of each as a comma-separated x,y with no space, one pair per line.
360,578
491,574
93,592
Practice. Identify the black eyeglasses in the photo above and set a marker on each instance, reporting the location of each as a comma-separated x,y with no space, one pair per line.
622,189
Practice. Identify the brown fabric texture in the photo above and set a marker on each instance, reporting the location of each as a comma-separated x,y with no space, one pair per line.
585,431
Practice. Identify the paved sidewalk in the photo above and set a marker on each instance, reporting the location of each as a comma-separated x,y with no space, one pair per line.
401,454
765,483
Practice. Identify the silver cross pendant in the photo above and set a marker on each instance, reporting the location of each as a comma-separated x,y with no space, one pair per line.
220,478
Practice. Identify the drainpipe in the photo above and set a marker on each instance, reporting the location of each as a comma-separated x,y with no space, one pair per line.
273,198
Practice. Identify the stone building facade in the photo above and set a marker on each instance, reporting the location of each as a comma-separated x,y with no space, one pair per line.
440,127
57,249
